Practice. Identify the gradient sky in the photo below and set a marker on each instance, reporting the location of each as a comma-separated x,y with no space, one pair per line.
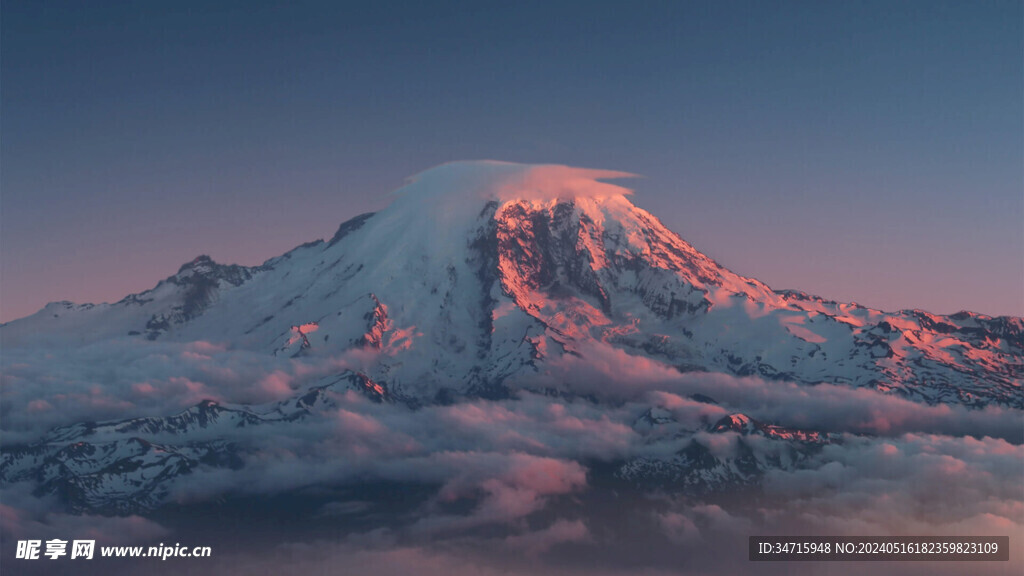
864,151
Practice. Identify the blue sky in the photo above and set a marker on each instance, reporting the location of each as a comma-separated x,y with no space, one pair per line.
867,151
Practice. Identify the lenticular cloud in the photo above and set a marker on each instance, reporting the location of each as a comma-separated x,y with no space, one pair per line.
459,182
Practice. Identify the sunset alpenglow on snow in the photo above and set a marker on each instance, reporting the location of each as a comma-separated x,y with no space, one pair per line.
559,288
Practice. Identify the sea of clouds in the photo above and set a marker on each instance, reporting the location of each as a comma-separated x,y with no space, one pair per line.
511,483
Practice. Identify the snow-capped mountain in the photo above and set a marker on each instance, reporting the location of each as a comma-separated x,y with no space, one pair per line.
480,280
481,273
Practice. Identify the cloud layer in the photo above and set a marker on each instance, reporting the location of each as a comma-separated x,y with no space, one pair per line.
522,485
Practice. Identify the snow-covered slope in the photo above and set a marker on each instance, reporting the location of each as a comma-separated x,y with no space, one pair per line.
480,274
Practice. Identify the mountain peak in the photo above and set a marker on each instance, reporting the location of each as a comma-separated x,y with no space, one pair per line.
202,261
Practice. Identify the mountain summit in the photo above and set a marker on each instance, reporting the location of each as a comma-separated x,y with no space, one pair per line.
482,277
